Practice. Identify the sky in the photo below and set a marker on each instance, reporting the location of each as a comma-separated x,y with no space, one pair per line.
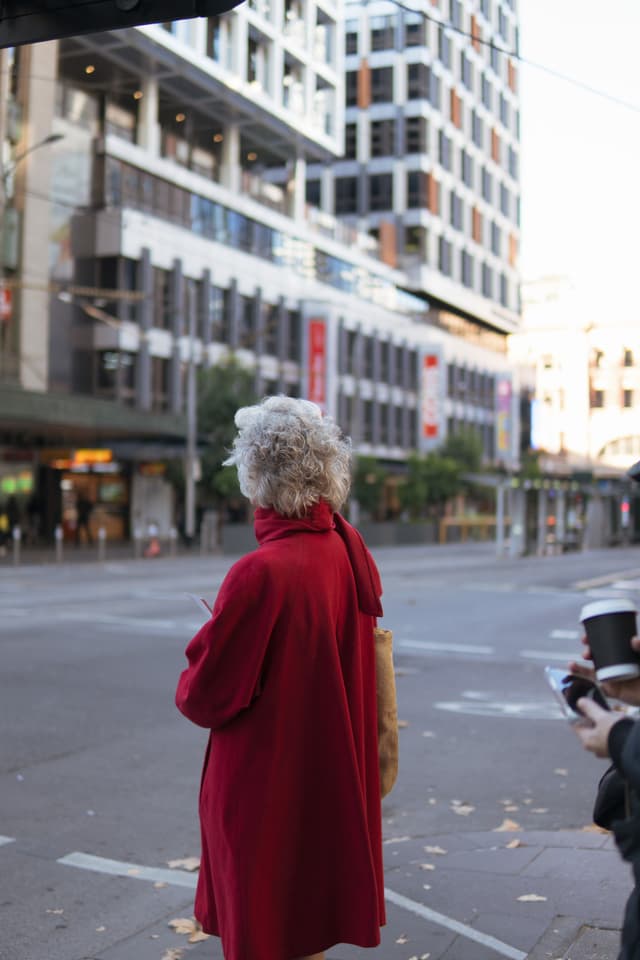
580,161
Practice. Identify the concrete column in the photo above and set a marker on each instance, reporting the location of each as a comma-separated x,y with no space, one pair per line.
561,517
148,125
297,186
234,315
258,332
517,511
541,535
231,161
206,317
177,328
143,366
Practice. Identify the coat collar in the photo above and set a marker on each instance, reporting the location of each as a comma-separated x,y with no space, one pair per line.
270,525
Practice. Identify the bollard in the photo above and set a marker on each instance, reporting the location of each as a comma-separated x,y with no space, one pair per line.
173,541
137,542
59,547
17,538
102,540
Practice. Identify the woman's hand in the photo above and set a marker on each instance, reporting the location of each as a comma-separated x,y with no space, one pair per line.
595,737
626,690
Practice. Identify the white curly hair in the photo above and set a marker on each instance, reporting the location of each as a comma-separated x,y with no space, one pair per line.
289,456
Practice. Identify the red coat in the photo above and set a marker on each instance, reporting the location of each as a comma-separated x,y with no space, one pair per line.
284,675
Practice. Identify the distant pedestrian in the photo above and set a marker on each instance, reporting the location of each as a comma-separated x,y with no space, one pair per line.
84,509
284,675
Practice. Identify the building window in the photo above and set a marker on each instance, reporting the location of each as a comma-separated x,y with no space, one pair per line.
487,92
444,150
444,46
418,85
466,71
627,398
381,191
504,290
628,358
597,398
466,168
466,263
159,383
293,344
495,59
382,33
487,280
487,185
346,195
351,88
312,195
444,256
416,135
496,239
416,189
457,211
435,91
415,243
505,114
505,198
382,85
382,138
350,141
477,129
455,13
351,37
513,163
414,30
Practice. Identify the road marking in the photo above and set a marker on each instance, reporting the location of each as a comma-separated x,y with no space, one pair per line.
448,647
454,925
606,578
116,868
180,878
531,710
549,655
565,634
4,840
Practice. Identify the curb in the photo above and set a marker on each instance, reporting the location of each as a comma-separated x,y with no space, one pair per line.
567,938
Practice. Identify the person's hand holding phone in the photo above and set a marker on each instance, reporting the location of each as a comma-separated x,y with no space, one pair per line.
594,733
626,690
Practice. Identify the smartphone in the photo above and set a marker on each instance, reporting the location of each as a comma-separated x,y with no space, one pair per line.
201,603
569,688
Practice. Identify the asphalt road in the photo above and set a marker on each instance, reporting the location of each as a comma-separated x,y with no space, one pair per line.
95,761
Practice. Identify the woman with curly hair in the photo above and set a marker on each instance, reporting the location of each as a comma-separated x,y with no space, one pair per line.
283,674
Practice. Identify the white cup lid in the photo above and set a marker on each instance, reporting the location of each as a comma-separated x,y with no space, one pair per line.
610,605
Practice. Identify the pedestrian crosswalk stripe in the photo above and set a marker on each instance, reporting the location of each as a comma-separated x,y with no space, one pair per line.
85,861
4,840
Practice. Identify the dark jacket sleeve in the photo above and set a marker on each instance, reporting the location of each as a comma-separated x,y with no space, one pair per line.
226,656
624,749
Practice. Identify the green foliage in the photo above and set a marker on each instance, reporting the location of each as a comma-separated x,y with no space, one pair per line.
221,391
368,485
465,448
432,479
530,465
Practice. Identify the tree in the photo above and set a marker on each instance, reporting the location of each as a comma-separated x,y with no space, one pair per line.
431,480
465,448
368,485
221,391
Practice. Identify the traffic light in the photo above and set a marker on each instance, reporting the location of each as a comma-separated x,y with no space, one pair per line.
30,21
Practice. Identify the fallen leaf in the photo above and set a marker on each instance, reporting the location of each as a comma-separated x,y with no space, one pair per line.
160,884
513,844
190,927
432,801
425,956
511,808
437,850
428,733
100,929
530,898
507,826
426,886
539,810
427,866
402,724
133,871
172,954
187,863
561,771
397,840
403,938
462,809
594,828
505,803
56,912
528,800
155,936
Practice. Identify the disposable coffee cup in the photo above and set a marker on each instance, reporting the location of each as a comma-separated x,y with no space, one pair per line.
610,625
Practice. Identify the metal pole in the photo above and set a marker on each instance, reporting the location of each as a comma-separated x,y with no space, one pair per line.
17,537
102,540
500,519
59,547
192,413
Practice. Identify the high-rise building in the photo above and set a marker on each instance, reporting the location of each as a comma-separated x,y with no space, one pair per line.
173,222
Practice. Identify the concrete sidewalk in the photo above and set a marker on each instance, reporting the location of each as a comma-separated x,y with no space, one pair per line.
484,896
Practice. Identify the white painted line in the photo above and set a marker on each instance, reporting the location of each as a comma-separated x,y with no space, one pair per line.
448,647
116,868
565,634
454,925
4,840
549,655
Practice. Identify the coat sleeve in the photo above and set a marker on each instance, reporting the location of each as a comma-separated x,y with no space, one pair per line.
226,656
624,747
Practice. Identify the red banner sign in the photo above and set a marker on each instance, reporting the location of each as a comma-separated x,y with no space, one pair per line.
430,396
317,369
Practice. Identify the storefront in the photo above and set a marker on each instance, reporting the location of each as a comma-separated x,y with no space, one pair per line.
94,493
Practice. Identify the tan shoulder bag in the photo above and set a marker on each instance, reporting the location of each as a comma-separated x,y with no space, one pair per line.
387,710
